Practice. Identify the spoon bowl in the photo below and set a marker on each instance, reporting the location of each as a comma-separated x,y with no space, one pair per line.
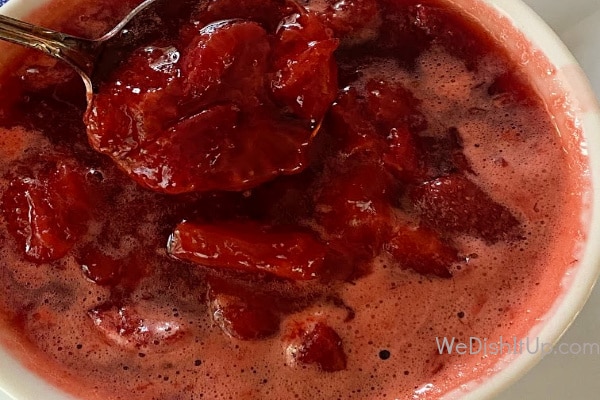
92,59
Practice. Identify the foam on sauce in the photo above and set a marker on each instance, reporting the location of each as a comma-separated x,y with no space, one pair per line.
502,290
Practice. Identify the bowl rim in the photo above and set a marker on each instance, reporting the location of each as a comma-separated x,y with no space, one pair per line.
584,275
566,308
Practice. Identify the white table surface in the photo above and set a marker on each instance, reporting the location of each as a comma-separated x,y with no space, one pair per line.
568,377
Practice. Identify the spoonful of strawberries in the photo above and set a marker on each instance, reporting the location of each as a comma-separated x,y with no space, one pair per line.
189,95
81,53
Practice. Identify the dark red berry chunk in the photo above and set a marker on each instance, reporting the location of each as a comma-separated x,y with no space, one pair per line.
47,210
350,127
402,157
243,318
249,247
455,204
443,154
440,26
226,62
391,105
239,154
132,110
305,72
378,122
127,327
203,117
423,251
353,208
109,266
318,344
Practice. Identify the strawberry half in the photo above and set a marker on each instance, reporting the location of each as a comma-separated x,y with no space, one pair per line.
243,318
47,210
304,69
249,247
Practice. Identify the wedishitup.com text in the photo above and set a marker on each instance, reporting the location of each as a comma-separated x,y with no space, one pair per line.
513,345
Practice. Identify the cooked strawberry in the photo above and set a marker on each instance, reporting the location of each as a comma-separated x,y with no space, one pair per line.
453,203
109,266
47,210
401,157
441,26
243,318
422,250
184,159
144,92
377,126
304,69
391,105
317,344
134,326
203,122
352,130
226,61
353,208
249,247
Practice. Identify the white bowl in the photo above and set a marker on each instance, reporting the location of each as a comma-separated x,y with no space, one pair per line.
563,86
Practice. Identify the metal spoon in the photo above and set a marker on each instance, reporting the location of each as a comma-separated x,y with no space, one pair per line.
84,54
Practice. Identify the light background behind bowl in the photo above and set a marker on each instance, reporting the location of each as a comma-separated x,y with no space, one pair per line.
563,376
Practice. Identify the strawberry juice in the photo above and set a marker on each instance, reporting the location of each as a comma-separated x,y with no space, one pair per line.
279,200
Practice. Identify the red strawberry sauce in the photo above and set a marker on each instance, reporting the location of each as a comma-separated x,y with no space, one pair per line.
194,236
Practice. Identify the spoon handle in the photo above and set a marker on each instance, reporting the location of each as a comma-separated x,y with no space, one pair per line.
78,52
